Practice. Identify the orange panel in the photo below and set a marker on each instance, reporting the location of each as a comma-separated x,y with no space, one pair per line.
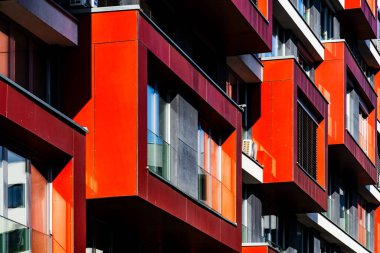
115,132
4,50
321,154
372,136
377,89
352,4
63,209
330,80
274,130
40,242
38,203
105,30
229,177
262,5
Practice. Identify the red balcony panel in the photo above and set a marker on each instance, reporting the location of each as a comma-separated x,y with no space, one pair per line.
361,17
275,132
331,78
265,248
239,25
131,223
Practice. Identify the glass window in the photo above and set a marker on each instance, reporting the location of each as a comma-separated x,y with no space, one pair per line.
158,134
356,117
17,190
24,201
303,7
327,22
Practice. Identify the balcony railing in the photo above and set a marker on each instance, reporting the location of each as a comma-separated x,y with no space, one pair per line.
367,71
258,239
163,160
15,237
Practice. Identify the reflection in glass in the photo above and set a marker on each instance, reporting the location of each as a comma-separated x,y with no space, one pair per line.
17,177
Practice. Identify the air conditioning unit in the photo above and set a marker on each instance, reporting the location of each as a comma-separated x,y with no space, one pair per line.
84,3
250,148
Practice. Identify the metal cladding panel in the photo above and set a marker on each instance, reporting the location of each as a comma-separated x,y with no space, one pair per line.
37,120
115,110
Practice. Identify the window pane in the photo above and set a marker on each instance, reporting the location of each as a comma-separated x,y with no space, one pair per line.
17,179
150,110
39,201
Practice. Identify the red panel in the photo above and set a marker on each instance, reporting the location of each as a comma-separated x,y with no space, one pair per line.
79,192
142,120
185,71
105,30
258,249
181,68
154,42
30,116
3,98
201,218
166,198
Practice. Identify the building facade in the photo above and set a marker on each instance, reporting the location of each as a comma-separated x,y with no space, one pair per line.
189,126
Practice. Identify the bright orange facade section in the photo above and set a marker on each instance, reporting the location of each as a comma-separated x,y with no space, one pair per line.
112,140
229,177
275,131
354,4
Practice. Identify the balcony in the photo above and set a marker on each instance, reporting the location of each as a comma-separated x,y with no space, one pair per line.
289,18
44,18
237,27
162,178
289,103
259,244
248,67
351,146
332,233
361,18
252,170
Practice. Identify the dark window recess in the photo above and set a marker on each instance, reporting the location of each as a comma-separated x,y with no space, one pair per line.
307,142
202,190
16,196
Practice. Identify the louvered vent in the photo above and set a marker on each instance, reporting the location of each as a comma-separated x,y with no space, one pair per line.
307,142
